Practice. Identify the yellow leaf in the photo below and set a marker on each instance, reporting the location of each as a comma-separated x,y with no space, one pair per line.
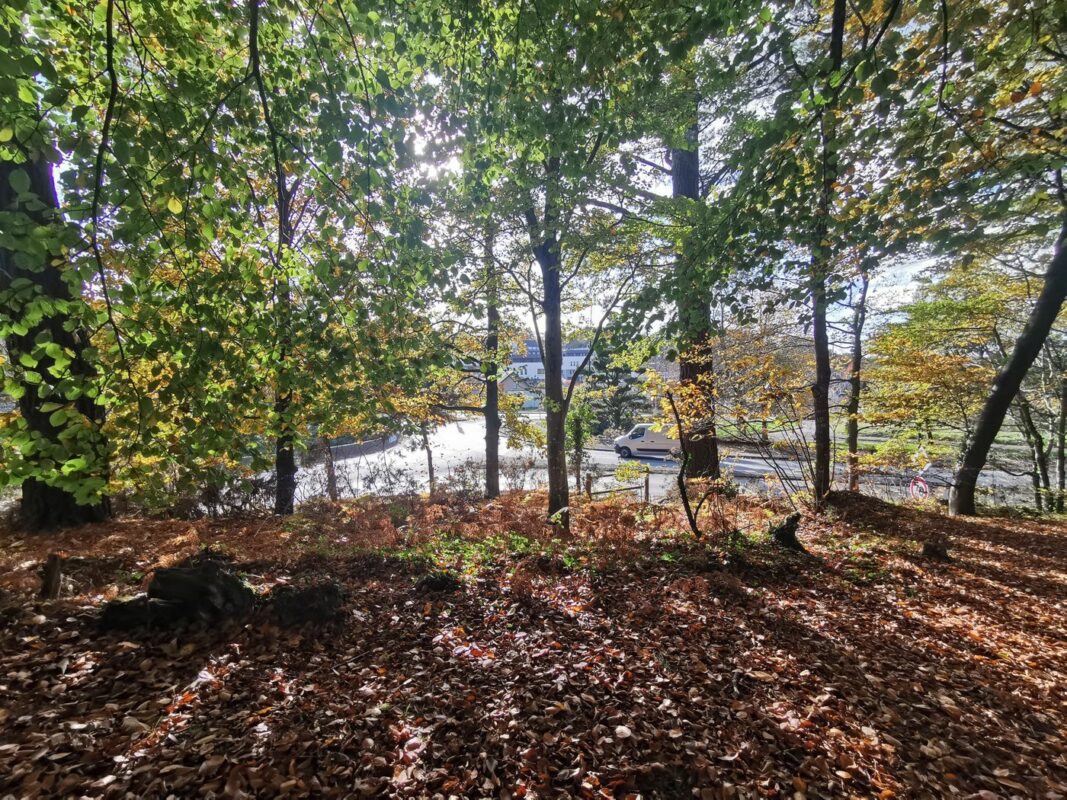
6,134
175,205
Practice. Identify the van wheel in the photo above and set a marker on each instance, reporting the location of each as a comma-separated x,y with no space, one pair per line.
624,452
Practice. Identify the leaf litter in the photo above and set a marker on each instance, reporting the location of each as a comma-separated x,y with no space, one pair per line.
626,660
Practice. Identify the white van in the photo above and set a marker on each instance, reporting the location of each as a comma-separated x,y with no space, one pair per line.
642,440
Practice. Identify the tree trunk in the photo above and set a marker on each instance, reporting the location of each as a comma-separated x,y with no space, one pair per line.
1036,442
1061,447
1009,379
579,438
284,462
545,246
820,390
425,431
492,376
1035,479
555,400
694,313
331,471
284,451
45,506
855,385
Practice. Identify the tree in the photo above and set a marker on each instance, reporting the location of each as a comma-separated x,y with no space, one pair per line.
855,381
1009,379
579,431
796,92
252,278
58,452
557,85
613,391
693,303
55,449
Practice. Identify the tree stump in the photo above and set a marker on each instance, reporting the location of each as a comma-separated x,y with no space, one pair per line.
204,593
51,577
441,581
785,533
206,590
936,549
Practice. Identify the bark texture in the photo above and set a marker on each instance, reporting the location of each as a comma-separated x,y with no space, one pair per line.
1009,379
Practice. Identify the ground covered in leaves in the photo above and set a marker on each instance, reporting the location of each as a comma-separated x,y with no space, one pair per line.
627,660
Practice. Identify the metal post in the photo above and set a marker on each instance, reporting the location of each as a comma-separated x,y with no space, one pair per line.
648,475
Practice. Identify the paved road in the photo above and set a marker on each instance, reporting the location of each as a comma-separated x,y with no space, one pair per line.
458,454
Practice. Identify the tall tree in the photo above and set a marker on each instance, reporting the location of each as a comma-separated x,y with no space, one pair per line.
821,255
694,308
58,452
54,448
1010,377
565,82
285,454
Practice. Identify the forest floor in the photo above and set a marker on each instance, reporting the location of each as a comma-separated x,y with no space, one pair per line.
626,660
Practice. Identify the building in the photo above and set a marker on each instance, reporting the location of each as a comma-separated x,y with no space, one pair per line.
531,391
528,364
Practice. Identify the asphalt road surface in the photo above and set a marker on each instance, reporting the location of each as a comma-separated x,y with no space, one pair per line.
458,450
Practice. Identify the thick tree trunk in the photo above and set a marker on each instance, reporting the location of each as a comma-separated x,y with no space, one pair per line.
694,313
700,435
1009,379
855,385
820,390
492,387
45,506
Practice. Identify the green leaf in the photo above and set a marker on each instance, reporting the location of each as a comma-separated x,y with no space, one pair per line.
19,181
